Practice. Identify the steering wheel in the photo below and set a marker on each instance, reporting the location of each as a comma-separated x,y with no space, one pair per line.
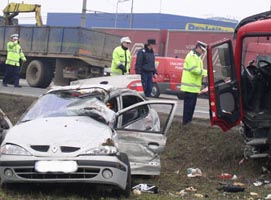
252,71
265,67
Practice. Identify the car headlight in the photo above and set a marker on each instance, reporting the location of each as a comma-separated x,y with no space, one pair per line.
103,150
11,149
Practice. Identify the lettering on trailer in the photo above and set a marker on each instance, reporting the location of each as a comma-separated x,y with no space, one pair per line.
207,27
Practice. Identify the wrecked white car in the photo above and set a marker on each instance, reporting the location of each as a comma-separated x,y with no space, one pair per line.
94,134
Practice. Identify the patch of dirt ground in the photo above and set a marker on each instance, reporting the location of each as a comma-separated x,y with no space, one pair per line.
197,146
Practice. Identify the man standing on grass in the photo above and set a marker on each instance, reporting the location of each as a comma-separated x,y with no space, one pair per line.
191,83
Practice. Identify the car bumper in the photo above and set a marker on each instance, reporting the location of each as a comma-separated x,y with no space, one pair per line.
90,169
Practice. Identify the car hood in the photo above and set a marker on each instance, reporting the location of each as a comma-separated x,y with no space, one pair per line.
76,132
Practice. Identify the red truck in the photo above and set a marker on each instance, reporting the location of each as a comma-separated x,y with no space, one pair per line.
169,75
169,43
240,83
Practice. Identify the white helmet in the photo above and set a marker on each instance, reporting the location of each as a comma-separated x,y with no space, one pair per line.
14,36
125,39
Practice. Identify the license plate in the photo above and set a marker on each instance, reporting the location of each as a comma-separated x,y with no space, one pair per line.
56,166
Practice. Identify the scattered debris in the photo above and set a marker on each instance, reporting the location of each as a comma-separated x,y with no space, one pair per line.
182,193
238,183
258,183
199,195
193,172
190,189
143,187
254,194
137,192
268,196
232,188
234,177
261,182
225,176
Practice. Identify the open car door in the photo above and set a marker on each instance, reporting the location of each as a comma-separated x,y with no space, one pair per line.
142,130
5,124
224,88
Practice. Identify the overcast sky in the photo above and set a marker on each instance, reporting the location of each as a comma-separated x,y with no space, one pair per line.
235,9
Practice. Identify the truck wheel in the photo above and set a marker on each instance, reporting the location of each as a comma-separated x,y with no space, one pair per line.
155,92
38,75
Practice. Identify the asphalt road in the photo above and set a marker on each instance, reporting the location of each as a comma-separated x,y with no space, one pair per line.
201,111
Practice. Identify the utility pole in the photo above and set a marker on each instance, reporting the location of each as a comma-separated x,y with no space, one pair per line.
117,7
131,16
83,15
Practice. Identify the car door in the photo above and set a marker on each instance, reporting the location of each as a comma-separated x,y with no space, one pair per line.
224,87
5,124
143,133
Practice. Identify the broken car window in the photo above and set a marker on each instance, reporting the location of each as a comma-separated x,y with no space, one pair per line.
70,103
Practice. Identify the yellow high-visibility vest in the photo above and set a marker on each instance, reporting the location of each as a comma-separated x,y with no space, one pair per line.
14,54
118,57
193,73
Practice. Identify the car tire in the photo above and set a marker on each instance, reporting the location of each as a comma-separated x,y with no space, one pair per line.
126,192
155,92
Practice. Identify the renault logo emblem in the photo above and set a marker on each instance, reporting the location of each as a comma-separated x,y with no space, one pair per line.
54,149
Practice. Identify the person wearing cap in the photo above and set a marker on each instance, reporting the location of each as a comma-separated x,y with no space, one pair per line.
191,83
14,55
121,58
145,65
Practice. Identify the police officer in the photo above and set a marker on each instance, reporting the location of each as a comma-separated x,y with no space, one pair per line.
145,65
191,83
121,55
14,54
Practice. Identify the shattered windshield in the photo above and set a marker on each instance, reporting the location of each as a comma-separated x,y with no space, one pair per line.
71,103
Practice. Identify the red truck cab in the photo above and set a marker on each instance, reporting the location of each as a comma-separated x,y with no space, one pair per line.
240,83
169,75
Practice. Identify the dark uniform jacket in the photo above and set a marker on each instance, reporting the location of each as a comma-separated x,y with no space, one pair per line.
145,61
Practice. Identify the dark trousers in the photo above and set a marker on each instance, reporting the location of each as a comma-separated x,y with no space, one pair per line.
12,72
189,104
146,79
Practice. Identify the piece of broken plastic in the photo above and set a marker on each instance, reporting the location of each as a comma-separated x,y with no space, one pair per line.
193,172
143,187
225,176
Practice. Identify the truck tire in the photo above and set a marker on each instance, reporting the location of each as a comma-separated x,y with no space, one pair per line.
155,92
38,74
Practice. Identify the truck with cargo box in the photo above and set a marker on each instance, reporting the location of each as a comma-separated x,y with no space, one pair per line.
60,54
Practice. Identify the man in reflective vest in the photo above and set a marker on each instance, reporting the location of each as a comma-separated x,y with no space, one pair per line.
121,55
14,54
191,83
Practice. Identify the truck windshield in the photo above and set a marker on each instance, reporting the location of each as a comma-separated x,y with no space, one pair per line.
256,74
255,49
